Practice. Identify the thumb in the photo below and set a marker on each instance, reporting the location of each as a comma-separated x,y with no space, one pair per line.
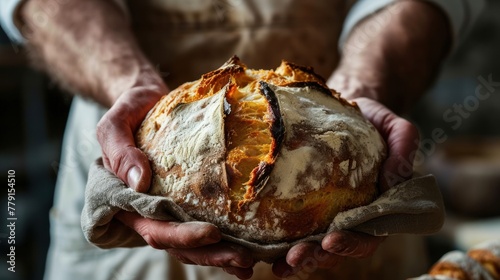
115,133
120,155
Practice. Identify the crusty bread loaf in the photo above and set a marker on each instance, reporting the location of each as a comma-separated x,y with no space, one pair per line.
457,265
488,255
266,155
481,262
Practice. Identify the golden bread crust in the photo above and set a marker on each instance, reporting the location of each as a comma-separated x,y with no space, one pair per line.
488,255
266,155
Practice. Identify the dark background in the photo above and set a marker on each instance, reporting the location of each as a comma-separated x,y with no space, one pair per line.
33,112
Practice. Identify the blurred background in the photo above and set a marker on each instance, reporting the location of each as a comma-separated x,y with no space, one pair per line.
460,137
33,114
458,120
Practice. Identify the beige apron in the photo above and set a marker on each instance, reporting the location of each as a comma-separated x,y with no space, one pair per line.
184,39
187,38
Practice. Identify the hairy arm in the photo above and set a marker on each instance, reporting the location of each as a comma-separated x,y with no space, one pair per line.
393,56
389,58
88,46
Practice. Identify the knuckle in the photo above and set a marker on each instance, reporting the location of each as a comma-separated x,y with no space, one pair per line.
148,235
101,129
116,159
122,158
187,236
151,241
409,126
183,239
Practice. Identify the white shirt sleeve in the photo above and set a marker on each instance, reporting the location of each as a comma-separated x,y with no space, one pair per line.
461,14
7,11
8,15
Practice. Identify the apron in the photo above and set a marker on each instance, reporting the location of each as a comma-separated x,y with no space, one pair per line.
184,39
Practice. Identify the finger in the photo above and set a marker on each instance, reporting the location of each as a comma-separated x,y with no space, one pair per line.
283,270
402,143
351,244
311,256
115,133
303,259
120,154
222,254
241,273
168,234
401,137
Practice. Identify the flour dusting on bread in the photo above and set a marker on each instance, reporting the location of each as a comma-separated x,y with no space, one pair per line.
266,155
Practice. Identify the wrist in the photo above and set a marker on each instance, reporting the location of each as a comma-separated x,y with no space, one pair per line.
135,76
353,84
397,61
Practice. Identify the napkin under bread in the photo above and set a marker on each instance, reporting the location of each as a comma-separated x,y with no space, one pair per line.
413,207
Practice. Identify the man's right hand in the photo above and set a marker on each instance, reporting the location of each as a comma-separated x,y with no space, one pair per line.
116,130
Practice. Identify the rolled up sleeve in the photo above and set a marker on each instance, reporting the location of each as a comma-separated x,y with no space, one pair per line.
8,10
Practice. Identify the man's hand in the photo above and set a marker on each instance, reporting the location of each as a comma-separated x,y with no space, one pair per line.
333,249
401,137
192,243
116,130
115,133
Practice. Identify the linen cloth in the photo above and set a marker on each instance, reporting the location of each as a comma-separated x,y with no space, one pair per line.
413,207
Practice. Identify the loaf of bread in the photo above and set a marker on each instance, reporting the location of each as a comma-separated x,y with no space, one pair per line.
458,265
268,156
481,262
488,255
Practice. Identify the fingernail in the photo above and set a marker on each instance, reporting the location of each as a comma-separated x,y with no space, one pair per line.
133,177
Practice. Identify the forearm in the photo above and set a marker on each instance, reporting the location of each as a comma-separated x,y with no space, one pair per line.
86,45
394,54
